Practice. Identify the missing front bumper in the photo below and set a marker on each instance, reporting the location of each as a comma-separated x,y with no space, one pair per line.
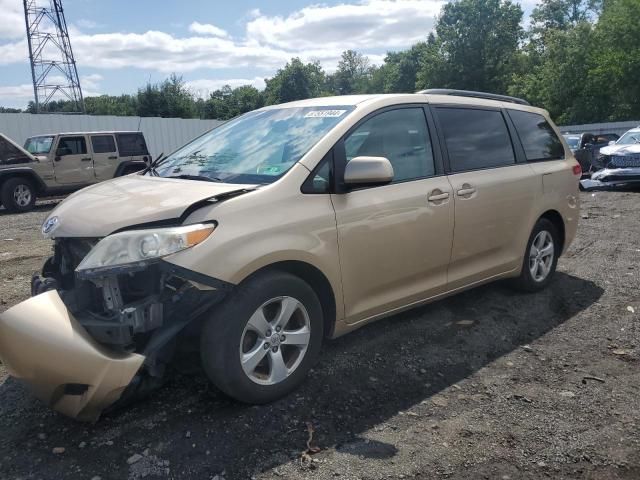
44,346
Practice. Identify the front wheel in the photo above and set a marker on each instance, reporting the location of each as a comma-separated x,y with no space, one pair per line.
261,342
541,257
18,195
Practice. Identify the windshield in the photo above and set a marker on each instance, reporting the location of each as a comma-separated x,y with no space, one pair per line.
39,145
573,141
258,147
629,138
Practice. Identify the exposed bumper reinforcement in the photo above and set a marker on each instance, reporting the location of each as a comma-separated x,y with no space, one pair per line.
42,345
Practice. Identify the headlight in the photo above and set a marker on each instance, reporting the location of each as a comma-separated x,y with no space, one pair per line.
139,247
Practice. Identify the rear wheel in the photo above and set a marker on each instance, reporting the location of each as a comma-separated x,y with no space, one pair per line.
541,257
259,345
18,194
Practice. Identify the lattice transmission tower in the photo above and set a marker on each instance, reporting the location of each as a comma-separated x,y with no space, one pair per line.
53,67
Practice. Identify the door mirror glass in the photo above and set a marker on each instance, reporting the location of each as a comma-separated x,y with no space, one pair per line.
368,171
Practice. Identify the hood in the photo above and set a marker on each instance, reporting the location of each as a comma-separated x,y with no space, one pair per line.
103,208
620,149
13,154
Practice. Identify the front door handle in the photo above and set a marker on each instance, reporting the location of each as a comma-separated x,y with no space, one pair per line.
438,197
113,157
85,159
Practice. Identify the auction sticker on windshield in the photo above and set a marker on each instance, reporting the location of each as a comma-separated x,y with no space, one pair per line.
324,113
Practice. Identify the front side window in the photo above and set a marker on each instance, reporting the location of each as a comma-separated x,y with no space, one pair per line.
258,147
71,146
538,139
39,145
475,138
103,144
401,136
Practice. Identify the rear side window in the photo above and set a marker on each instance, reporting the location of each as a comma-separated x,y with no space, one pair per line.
131,144
103,143
72,146
399,135
475,138
538,139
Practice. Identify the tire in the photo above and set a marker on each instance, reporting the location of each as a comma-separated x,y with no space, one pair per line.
18,195
545,266
234,330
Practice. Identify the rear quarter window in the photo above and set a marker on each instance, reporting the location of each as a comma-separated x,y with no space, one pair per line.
131,144
538,139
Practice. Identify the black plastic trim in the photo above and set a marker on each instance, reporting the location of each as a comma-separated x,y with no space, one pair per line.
474,94
307,186
197,277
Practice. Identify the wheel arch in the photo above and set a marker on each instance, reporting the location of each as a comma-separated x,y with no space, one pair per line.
23,173
317,280
556,218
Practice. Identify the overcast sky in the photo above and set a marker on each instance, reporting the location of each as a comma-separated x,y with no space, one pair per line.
120,45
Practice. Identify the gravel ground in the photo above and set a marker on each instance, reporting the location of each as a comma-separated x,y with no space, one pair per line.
487,384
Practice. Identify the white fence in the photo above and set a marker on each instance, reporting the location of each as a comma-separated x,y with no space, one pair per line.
597,128
162,134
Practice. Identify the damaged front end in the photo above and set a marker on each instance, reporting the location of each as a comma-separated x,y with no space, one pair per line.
616,170
96,336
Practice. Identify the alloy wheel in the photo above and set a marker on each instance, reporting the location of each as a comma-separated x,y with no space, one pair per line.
541,256
22,195
275,340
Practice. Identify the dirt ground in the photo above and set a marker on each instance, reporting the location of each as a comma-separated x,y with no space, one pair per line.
487,384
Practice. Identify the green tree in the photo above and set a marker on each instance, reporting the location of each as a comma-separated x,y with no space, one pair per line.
170,98
563,14
352,75
399,72
125,105
295,81
475,47
227,103
556,80
612,80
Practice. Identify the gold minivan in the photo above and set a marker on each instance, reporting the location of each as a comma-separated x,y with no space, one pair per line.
283,227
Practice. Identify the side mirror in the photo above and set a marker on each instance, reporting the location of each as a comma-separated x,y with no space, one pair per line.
368,171
612,142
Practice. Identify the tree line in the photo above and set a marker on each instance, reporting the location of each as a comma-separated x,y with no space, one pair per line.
579,59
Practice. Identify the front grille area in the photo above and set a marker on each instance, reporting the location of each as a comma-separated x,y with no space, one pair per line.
625,161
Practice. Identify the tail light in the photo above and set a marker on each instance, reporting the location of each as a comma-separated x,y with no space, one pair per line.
577,169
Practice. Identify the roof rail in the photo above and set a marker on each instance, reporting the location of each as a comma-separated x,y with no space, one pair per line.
469,93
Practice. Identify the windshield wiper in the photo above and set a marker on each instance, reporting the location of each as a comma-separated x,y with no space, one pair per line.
197,177
151,167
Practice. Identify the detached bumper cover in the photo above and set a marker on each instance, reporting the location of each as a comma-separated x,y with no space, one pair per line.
42,345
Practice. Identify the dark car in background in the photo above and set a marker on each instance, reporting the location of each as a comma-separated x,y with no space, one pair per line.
586,147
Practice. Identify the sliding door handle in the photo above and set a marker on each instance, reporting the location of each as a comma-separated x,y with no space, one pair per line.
466,190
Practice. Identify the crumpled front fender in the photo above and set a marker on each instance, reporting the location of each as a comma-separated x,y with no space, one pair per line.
43,346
